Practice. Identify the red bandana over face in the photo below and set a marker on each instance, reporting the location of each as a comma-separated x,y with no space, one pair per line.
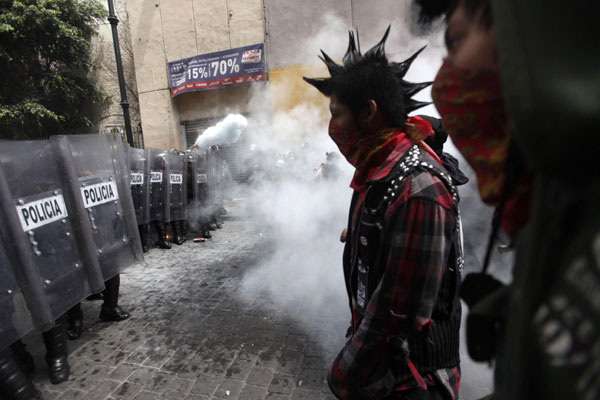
473,113
366,152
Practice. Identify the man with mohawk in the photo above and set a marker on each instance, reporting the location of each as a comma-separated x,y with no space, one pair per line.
403,257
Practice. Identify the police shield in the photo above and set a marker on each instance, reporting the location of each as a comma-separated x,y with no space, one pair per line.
190,168
197,187
103,178
139,183
54,265
215,165
177,185
159,192
15,319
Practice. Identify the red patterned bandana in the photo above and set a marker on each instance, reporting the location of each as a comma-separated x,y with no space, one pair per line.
473,113
367,152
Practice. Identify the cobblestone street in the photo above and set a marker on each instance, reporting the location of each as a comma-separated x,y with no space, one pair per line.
190,337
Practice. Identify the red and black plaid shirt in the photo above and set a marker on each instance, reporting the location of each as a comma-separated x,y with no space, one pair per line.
418,233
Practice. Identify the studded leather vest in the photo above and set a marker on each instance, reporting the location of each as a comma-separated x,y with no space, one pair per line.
438,347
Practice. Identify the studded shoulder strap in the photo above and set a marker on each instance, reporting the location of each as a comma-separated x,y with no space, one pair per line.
414,160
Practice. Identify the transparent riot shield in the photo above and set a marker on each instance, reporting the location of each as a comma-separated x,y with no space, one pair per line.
102,176
190,173
139,183
197,210
215,167
159,192
15,318
211,183
45,235
177,185
220,188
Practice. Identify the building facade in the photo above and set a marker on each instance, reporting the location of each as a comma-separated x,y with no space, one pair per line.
163,31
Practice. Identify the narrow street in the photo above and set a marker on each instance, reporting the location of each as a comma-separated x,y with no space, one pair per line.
193,335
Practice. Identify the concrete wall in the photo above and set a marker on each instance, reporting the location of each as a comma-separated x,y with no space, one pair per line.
292,26
167,30
296,32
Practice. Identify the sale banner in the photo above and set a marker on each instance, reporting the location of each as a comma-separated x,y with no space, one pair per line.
240,66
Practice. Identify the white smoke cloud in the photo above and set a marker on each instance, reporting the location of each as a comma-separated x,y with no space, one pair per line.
225,132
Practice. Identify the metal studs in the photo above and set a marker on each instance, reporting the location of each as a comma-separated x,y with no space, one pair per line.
47,282
118,213
124,240
64,221
38,253
94,227
82,184
99,251
92,218
116,202
21,202
9,291
68,234
77,265
30,233
385,198
55,192
110,178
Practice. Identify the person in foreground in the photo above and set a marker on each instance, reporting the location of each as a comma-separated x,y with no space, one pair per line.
403,259
518,94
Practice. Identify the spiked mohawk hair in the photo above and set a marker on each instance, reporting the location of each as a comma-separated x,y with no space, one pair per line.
371,77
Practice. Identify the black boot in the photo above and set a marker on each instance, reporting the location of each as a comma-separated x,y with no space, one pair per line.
177,232
14,385
184,229
161,229
215,221
75,322
205,231
110,310
57,352
143,237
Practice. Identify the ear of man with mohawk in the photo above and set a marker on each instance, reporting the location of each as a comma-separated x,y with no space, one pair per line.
369,102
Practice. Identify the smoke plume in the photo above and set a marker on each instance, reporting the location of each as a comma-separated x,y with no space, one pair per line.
225,132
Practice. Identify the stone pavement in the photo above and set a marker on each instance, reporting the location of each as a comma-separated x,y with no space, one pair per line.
190,337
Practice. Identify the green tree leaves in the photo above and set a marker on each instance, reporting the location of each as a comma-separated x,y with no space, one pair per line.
44,67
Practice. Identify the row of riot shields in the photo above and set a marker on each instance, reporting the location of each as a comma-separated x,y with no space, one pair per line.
171,185
69,225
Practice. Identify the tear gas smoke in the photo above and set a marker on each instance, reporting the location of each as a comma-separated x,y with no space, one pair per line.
225,132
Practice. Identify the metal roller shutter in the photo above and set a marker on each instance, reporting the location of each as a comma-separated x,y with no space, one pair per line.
233,154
